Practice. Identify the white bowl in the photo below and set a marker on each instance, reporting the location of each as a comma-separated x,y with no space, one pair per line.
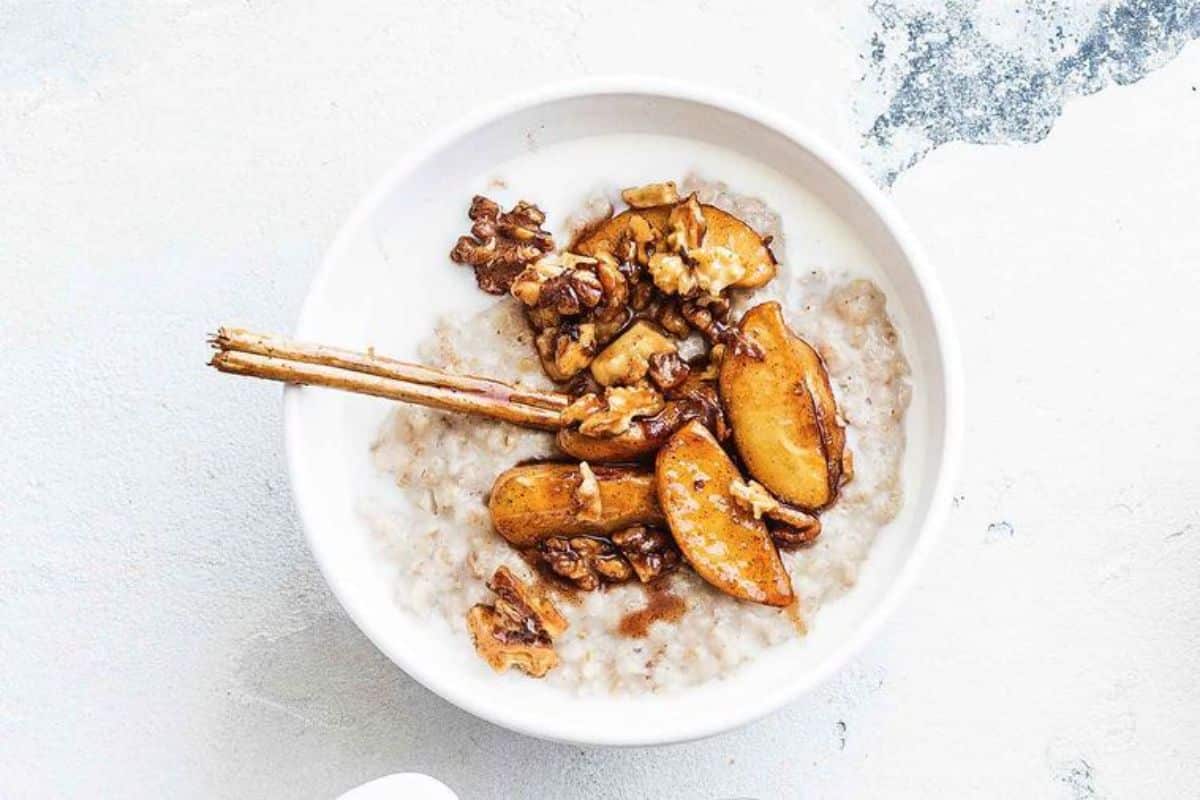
387,276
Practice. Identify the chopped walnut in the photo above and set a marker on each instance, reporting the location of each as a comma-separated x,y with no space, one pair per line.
608,329
671,275
587,494
582,408
670,317
531,283
702,319
503,648
753,497
565,291
686,225
716,268
652,194
585,561
710,316
559,294
795,518
644,238
614,285
793,527
699,400
517,630
501,245
566,351
521,602
527,286
650,551
789,537
641,295
667,370
614,414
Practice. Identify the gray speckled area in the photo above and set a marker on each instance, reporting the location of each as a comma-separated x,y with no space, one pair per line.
996,73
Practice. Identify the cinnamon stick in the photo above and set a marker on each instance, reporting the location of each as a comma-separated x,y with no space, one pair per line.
276,368
271,345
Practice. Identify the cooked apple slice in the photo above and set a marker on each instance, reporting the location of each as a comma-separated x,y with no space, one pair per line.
722,541
534,501
782,410
724,230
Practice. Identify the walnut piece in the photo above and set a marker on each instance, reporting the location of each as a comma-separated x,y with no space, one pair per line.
672,320
652,194
614,285
686,226
523,603
613,414
671,275
527,286
518,630
716,268
667,370
501,649
567,350
650,551
792,527
585,561
789,537
644,239
501,245
753,497
587,494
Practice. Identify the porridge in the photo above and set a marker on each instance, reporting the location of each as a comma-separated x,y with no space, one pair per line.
640,612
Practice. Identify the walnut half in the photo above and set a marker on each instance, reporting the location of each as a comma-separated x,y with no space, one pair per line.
652,194
585,561
753,497
518,630
793,527
613,414
650,551
588,503
502,244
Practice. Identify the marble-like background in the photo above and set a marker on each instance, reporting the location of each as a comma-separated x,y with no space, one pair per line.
169,164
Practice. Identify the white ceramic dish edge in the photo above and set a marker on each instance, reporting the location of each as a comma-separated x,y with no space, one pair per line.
947,350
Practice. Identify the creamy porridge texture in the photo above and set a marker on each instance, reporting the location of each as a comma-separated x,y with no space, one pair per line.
441,548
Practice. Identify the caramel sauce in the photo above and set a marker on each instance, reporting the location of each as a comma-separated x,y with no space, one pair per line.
661,606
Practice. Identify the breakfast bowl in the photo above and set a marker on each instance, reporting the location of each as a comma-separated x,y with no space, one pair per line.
404,568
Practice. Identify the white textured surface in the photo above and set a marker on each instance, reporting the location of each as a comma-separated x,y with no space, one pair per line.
166,166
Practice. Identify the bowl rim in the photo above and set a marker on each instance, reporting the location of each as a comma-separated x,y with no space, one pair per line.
947,349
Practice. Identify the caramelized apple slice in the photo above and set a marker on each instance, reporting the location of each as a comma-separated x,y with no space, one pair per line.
534,501
722,541
724,230
782,411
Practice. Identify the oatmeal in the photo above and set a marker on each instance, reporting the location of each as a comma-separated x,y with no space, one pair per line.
624,635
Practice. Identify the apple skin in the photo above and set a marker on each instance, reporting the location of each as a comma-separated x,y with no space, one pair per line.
532,502
722,542
783,413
